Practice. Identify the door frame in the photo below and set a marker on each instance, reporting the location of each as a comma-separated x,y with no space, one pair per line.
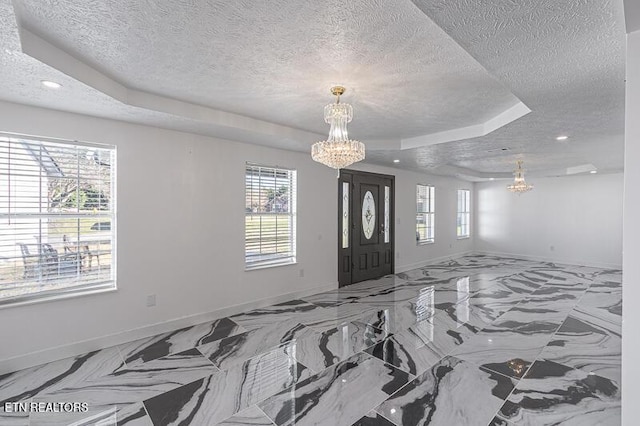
345,255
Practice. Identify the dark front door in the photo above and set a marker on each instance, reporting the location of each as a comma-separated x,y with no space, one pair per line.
366,226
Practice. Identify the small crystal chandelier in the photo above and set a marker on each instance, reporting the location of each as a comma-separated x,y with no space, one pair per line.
338,151
519,185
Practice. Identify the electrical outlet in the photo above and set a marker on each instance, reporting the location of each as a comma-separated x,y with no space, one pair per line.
301,273
151,300
397,255
552,248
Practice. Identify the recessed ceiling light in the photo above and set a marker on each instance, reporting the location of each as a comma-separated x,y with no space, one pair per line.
51,84
396,161
593,172
562,138
492,178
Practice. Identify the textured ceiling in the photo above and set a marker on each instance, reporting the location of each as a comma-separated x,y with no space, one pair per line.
275,60
406,76
20,83
564,59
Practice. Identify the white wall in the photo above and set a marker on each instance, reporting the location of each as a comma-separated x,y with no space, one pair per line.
180,231
409,255
180,236
572,219
631,247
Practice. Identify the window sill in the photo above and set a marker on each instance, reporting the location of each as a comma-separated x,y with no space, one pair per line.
425,243
464,238
269,266
72,292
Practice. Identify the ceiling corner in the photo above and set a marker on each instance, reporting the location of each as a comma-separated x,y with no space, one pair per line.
632,15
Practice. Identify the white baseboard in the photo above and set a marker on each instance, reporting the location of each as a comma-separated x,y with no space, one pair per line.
78,348
421,264
551,259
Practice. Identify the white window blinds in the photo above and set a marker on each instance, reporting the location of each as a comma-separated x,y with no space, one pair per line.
57,217
270,216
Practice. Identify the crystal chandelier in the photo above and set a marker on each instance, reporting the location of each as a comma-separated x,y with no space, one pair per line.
338,151
519,185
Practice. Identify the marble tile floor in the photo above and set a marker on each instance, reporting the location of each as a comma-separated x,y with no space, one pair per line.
479,340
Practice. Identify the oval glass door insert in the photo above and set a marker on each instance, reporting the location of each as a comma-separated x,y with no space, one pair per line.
368,215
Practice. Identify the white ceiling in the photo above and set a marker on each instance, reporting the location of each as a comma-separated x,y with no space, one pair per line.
443,85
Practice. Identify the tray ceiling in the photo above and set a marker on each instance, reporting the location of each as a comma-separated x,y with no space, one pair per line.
441,85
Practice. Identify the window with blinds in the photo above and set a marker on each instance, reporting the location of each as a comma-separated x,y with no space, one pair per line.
425,214
464,213
270,216
57,218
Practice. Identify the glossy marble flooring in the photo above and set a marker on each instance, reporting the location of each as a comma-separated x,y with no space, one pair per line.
480,340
